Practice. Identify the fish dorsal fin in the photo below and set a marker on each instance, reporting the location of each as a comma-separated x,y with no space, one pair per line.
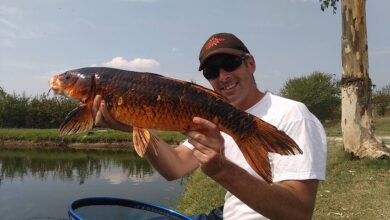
209,91
78,120
196,86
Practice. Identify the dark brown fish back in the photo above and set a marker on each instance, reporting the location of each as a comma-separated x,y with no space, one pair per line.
153,101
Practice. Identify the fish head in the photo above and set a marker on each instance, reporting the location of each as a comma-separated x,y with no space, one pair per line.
73,83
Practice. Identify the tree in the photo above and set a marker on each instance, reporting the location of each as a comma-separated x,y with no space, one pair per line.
2,93
381,100
356,87
13,111
319,91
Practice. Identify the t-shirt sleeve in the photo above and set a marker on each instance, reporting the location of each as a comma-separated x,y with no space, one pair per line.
311,138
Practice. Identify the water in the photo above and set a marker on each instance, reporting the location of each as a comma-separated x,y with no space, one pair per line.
44,183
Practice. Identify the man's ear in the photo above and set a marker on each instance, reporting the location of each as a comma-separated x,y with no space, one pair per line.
251,63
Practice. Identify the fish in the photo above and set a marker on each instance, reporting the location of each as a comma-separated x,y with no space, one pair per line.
151,101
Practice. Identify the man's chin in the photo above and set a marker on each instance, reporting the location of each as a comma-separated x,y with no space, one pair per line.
230,94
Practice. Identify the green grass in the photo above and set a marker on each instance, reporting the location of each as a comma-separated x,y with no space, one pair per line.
382,127
354,189
202,194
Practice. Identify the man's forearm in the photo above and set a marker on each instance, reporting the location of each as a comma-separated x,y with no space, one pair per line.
170,162
273,201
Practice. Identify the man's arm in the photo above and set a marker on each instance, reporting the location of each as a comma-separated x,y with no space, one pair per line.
170,162
292,199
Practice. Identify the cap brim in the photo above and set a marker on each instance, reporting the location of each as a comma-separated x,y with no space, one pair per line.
230,51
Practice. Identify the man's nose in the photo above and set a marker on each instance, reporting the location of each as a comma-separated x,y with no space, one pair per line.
223,74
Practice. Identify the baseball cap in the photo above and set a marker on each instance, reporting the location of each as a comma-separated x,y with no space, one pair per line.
221,43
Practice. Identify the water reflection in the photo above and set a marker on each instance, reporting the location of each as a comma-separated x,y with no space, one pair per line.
67,165
44,183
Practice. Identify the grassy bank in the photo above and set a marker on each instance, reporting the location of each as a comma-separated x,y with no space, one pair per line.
382,127
354,189
93,136
333,129
201,195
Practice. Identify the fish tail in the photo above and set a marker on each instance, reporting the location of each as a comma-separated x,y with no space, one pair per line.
266,138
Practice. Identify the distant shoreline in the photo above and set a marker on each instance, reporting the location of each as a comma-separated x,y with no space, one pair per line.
62,145
125,146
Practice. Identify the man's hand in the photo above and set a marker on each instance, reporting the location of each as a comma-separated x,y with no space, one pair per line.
209,146
103,118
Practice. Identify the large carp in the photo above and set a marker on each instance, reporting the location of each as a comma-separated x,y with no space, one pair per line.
147,100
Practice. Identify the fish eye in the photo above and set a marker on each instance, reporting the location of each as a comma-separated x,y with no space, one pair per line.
66,76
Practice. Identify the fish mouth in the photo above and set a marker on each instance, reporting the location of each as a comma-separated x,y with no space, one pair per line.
53,83
55,89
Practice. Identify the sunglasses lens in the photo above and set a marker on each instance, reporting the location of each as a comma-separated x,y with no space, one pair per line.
210,73
227,62
231,63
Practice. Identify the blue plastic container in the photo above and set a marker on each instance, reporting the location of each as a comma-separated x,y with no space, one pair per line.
96,208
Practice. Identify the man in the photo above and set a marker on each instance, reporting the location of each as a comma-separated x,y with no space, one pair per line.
229,67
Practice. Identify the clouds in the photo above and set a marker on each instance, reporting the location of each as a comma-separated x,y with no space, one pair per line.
11,11
137,64
13,26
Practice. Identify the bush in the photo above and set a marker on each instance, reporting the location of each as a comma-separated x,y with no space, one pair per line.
14,110
20,111
318,91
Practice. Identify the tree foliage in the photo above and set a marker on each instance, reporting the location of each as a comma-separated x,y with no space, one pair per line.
318,91
329,3
20,111
381,100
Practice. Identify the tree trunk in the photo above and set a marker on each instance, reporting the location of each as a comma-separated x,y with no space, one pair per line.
356,88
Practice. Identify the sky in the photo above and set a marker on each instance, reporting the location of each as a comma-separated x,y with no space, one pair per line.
288,38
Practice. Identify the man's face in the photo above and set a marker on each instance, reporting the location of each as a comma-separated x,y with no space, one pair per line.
232,77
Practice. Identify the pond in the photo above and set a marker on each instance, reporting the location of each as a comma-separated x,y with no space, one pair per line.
42,184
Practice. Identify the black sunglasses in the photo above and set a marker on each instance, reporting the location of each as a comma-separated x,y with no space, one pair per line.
225,61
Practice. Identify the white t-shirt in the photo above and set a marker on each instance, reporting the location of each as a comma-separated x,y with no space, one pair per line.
303,127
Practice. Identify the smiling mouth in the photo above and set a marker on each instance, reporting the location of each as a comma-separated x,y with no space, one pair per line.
229,86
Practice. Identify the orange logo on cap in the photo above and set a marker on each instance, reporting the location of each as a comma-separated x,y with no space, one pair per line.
213,42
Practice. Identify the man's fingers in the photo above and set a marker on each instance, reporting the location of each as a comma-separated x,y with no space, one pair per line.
198,146
96,104
100,122
204,124
202,157
196,137
106,115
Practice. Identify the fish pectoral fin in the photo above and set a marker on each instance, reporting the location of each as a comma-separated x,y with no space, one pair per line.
78,120
141,140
